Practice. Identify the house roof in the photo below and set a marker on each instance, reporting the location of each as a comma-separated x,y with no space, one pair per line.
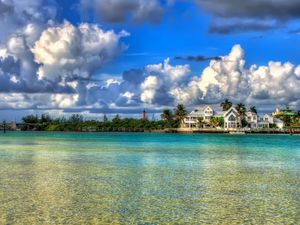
251,113
229,111
201,108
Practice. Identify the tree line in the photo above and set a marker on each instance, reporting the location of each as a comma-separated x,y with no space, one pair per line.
77,122
168,119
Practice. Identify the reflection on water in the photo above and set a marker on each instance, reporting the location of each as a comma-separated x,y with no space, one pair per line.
57,178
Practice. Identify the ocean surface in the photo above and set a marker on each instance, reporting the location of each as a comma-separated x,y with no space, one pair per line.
147,178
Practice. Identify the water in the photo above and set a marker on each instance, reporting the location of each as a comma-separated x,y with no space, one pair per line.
136,178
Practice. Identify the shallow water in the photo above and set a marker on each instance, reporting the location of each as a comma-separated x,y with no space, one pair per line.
139,178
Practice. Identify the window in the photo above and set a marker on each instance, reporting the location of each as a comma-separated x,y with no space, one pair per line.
231,124
231,118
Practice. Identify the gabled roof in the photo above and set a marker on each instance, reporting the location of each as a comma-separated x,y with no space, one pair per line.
208,106
251,113
198,113
231,110
218,111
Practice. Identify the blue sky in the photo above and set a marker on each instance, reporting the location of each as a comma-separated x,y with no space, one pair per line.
184,30
244,52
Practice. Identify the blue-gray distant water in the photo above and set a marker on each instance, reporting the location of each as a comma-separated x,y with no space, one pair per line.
147,178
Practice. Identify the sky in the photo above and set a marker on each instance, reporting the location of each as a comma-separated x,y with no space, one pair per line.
100,57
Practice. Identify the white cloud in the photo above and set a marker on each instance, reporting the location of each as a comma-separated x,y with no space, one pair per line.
149,88
174,73
277,83
226,75
128,95
64,57
162,82
64,100
66,52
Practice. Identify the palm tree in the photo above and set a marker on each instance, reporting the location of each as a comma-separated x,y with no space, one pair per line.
180,113
253,109
226,105
200,122
213,122
241,109
167,115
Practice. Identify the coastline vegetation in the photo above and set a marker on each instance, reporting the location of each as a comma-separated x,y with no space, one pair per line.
169,119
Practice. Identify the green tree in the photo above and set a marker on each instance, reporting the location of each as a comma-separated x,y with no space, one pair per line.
180,113
30,119
45,118
241,109
200,122
116,119
167,115
221,121
216,121
226,105
76,118
253,109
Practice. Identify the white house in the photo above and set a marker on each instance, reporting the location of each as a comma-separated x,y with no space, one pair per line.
232,120
262,121
252,119
206,113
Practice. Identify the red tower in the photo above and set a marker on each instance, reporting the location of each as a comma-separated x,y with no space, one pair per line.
144,115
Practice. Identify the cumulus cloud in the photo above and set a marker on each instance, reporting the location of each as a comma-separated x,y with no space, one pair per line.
161,80
23,22
41,101
116,11
67,53
46,64
276,83
264,14
29,15
164,84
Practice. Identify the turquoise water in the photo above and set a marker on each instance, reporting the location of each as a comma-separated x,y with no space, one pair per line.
145,178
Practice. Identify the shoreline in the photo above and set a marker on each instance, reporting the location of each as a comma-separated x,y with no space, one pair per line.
176,131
